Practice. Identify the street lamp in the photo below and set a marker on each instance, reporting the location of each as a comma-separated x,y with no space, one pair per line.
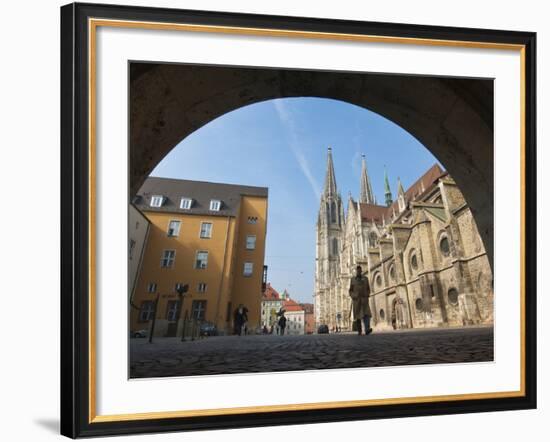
181,289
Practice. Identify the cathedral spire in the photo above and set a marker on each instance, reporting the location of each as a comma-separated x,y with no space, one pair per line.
366,188
387,191
330,180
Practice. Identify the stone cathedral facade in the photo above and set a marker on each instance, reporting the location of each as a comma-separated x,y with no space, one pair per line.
422,253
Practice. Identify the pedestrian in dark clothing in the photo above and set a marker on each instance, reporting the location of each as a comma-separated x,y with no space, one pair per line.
282,324
359,292
240,318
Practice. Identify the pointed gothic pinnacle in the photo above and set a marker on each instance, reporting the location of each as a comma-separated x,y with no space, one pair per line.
387,190
330,179
366,194
400,190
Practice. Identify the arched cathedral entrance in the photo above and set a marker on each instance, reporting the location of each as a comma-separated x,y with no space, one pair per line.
398,314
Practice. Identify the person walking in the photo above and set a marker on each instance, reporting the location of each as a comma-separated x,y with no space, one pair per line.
282,324
359,292
240,318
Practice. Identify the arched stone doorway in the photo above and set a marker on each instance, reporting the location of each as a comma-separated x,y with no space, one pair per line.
398,314
168,102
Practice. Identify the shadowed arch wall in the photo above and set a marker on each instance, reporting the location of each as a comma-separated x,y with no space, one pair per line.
453,118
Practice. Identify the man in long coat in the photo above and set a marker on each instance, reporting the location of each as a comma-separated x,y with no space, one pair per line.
359,292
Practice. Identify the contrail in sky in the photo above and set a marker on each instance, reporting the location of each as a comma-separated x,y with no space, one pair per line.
287,121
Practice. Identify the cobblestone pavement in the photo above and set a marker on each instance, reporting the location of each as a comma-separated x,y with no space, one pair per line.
245,354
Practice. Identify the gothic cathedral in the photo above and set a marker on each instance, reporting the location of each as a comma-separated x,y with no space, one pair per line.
422,253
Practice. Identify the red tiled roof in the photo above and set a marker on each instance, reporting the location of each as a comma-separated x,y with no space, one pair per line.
420,185
377,213
373,212
270,293
291,306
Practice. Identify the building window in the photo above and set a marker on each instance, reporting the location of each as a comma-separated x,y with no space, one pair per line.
202,260
156,201
444,246
215,205
172,310
206,230
414,262
252,220
201,288
378,281
186,203
382,313
168,257
453,296
250,242
132,247
146,311
333,212
419,304
152,287
174,228
372,239
334,246
248,267
392,272
198,310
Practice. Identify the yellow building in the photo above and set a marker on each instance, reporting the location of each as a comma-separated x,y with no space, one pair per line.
210,236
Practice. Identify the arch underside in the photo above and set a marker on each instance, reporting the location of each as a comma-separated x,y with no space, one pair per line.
451,117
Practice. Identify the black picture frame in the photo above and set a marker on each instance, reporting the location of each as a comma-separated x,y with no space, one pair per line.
75,220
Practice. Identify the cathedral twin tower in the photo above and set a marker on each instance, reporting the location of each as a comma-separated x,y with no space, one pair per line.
330,227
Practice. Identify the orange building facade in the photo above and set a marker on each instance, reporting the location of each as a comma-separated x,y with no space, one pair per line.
208,236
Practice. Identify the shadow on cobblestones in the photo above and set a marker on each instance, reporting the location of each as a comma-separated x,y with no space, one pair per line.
253,354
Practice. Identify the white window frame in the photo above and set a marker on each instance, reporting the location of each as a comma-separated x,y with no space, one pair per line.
248,245
149,311
152,287
170,259
199,306
156,201
186,203
215,205
171,313
176,232
246,265
209,232
201,267
202,287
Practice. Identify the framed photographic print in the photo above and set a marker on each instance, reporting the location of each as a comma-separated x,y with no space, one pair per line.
274,220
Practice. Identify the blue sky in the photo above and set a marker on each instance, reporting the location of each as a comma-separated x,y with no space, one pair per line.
282,144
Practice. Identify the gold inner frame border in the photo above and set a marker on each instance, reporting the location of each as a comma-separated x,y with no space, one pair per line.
93,24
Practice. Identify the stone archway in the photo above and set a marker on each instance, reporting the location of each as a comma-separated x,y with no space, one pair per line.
170,101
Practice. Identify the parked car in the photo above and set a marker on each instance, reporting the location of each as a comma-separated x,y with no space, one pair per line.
208,329
139,334
323,329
